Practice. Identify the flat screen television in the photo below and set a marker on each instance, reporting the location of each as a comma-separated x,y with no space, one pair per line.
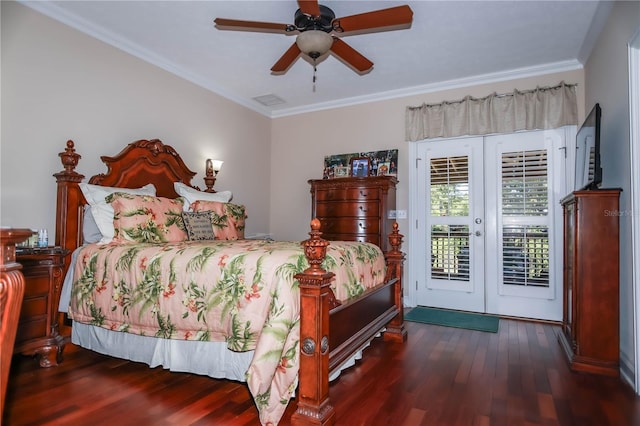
588,168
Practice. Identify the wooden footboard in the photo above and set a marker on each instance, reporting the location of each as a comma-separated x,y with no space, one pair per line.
330,333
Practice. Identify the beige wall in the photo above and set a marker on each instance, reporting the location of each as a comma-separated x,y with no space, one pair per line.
300,143
607,82
59,84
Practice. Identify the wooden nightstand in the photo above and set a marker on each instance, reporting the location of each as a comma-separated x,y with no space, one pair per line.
38,332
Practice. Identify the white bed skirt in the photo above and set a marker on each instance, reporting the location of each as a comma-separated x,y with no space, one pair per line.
211,359
188,356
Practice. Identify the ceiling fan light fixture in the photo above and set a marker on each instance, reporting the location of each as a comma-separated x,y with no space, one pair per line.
314,43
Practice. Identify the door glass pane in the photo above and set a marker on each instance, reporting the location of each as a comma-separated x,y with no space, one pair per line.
450,252
525,241
525,254
524,183
449,177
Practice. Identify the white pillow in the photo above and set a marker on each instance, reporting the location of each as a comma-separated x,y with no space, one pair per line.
102,211
90,231
191,195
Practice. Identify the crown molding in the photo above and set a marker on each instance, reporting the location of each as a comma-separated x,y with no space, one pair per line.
436,87
55,12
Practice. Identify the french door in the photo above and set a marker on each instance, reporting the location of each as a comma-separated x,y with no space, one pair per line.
488,224
452,191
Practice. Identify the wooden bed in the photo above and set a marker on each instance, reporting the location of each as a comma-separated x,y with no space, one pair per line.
330,332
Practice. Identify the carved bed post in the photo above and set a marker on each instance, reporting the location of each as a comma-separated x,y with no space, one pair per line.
69,221
395,261
314,407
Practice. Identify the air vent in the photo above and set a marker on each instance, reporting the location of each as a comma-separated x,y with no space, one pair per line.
269,100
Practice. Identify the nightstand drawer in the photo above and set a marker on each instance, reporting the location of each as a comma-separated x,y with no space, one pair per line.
35,328
37,283
34,306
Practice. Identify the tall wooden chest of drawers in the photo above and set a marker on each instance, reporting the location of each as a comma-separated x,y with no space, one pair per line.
355,209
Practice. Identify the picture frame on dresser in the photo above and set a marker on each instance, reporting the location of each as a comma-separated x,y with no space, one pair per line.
383,168
360,166
341,171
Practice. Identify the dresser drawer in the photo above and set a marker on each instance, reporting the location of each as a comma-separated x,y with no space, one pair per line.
343,194
363,238
349,226
356,209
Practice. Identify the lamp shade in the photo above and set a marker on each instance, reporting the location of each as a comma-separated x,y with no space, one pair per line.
314,43
216,165
213,166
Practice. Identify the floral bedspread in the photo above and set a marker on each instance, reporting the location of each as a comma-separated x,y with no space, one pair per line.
240,292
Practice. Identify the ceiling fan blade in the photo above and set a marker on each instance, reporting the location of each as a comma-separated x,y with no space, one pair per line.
309,7
235,24
351,56
286,60
394,16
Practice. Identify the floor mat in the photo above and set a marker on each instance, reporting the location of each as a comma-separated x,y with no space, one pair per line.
447,318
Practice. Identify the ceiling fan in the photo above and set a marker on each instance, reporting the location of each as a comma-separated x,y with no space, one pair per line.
317,31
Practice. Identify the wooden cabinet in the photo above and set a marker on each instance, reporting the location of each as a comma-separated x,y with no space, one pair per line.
38,332
355,209
590,326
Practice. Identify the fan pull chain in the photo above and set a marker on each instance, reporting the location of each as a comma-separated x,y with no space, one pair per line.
315,69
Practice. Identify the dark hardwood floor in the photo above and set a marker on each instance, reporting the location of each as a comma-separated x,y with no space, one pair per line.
441,376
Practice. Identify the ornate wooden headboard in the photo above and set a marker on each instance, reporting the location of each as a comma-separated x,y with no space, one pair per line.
139,163
143,162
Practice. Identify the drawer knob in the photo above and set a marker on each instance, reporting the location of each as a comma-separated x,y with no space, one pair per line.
362,209
361,225
363,193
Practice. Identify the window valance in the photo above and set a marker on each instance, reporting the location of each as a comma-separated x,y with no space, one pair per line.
542,108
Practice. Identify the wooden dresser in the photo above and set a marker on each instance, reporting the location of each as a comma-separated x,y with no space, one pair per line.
590,325
355,208
38,332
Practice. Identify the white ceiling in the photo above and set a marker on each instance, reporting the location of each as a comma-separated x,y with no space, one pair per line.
450,44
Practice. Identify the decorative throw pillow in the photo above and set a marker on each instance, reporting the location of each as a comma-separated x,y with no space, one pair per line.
191,195
227,219
101,210
147,219
199,225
